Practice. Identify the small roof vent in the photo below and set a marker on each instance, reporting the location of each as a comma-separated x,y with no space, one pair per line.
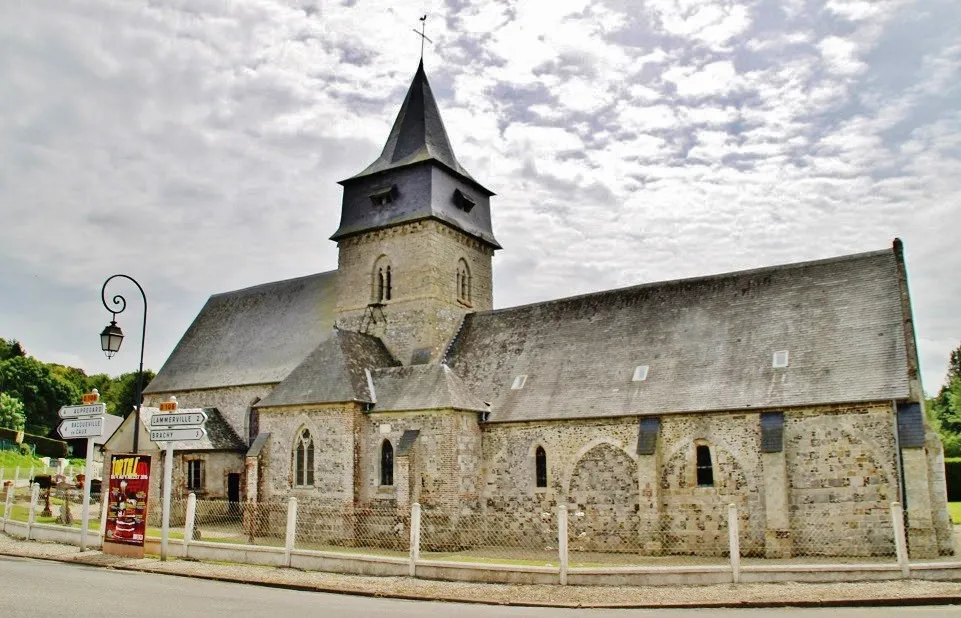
640,373
463,201
519,383
780,359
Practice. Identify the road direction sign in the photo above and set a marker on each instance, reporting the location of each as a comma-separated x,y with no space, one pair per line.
177,435
95,409
178,419
81,428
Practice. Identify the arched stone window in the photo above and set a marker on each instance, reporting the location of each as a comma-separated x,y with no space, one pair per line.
304,459
463,282
253,421
705,468
386,464
540,467
381,284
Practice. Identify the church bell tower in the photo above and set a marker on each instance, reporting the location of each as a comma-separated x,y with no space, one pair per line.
415,241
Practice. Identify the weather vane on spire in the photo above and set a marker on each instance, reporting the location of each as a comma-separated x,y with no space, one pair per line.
423,37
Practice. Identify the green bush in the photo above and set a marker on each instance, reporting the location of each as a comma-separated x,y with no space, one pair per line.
42,447
952,477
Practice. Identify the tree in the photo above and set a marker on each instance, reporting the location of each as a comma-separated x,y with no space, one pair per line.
73,375
10,348
41,392
121,396
945,408
11,413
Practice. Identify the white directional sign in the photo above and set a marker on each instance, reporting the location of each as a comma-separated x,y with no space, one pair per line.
178,419
94,409
81,428
177,435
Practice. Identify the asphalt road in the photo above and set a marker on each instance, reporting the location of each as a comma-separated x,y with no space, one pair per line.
42,588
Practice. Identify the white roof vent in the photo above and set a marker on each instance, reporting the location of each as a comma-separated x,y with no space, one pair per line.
780,359
640,373
519,382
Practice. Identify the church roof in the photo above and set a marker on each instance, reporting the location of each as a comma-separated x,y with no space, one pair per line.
335,372
708,344
422,387
418,134
256,335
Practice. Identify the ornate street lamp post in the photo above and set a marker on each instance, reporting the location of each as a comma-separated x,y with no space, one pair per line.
112,337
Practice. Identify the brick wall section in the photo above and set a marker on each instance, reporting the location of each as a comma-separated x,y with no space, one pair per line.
423,311
842,471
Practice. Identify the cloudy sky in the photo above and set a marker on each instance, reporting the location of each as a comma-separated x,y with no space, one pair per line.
196,145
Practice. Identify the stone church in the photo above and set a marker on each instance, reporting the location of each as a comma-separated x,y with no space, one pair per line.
791,391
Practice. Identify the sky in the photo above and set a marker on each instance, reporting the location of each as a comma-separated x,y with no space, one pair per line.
195,145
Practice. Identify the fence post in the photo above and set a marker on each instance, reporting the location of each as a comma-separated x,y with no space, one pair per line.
16,476
734,536
30,478
900,540
562,541
189,522
104,502
414,538
291,529
34,494
7,507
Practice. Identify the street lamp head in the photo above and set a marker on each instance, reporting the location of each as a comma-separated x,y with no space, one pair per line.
111,338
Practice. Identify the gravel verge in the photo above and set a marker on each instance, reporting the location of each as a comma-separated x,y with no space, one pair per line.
914,592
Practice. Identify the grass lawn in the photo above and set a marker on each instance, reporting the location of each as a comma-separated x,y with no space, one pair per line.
955,509
12,459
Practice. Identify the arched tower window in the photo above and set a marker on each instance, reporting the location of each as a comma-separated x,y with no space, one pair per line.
540,466
705,469
253,421
386,464
463,282
304,459
381,284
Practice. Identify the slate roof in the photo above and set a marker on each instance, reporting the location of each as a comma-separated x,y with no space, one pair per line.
256,335
418,134
220,435
708,343
334,372
422,387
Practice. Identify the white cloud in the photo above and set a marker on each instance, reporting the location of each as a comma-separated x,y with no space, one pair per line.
685,131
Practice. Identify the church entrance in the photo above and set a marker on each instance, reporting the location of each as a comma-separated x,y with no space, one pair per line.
233,492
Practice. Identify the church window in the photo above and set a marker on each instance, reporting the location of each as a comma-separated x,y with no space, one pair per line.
195,474
540,467
519,383
304,460
382,284
382,196
780,359
463,201
705,470
386,464
463,282
640,373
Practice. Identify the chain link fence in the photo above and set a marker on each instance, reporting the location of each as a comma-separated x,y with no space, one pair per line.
489,537
378,530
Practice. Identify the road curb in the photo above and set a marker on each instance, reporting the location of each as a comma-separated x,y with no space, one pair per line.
822,603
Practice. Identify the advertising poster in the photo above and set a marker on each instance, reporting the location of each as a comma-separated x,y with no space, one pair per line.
129,482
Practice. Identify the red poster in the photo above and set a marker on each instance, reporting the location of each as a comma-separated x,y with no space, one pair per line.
127,501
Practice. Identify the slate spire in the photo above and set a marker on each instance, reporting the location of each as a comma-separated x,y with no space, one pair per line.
418,133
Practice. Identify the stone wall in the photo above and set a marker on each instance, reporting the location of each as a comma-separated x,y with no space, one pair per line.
332,428
423,311
842,475
447,455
